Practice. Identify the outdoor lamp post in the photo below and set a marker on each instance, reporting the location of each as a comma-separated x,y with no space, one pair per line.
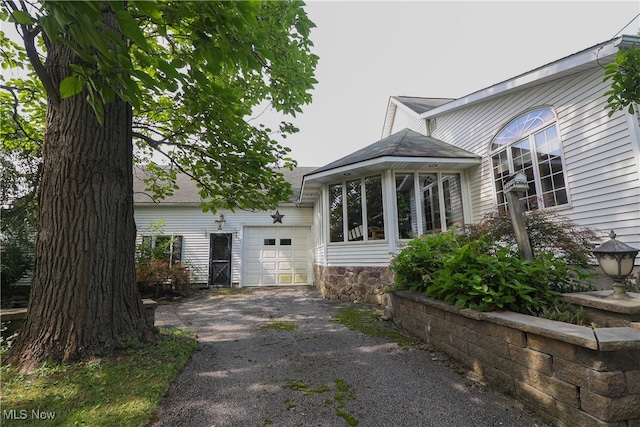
616,259
220,221
518,183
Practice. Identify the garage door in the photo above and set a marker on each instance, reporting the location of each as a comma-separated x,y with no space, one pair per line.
276,256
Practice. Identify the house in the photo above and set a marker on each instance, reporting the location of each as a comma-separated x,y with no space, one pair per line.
440,163
242,248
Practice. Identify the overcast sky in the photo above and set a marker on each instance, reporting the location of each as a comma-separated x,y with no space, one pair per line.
371,50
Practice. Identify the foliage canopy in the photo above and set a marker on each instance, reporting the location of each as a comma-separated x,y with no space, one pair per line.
624,74
177,79
194,73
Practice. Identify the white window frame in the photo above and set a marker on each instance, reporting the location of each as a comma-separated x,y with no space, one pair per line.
363,202
419,205
536,170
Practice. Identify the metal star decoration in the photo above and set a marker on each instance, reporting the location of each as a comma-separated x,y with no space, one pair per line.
277,217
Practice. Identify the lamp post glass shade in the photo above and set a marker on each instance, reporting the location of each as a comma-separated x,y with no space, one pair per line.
616,260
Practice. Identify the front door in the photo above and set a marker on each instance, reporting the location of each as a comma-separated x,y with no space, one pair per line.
220,260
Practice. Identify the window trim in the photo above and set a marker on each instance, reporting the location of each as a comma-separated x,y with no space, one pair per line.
153,240
441,200
536,167
364,216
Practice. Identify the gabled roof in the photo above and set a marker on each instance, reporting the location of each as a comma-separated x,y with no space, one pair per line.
421,105
593,57
596,56
404,144
188,193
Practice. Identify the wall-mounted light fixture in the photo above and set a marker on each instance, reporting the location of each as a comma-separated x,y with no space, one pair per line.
220,222
616,259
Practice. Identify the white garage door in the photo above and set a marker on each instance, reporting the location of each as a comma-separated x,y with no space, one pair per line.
276,256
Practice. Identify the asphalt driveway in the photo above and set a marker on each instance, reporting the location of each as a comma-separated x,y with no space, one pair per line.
276,357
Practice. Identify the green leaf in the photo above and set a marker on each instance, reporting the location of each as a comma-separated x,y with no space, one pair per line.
130,29
149,8
71,86
50,26
21,17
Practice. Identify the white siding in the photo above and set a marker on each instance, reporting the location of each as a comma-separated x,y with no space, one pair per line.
601,165
363,254
188,222
405,119
196,226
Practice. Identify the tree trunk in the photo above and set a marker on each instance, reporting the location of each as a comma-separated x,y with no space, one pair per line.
84,299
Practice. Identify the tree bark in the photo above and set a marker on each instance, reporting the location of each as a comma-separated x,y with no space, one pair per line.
84,299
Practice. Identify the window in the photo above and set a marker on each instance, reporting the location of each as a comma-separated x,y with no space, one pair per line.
428,203
531,144
269,242
431,221
356,210
165,247
336,213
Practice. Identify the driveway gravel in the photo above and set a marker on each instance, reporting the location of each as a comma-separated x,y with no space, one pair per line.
276,357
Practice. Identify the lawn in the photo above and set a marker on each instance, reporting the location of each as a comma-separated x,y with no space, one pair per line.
122,388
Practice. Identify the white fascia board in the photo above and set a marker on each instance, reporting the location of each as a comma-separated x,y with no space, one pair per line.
379,161
389,117
547,71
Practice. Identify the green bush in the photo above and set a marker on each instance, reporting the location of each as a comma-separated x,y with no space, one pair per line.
471,277
479,268
15,263
548,232
416,264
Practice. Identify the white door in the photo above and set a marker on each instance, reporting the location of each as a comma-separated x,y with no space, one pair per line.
276,256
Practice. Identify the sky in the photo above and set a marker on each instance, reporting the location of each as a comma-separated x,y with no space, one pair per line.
372,50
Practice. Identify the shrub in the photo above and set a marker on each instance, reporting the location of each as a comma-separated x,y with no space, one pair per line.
157,273
16,262
566,312
154,268
479,267
474,278
416,264
548,232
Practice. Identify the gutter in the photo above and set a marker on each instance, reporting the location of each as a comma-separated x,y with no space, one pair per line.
584,57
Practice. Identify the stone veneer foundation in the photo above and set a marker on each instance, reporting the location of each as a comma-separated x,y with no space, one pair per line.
571,375
357,284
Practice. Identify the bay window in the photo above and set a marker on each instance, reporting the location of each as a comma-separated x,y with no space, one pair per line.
427,202
356,210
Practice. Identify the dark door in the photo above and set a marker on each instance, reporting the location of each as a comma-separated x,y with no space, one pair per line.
220,260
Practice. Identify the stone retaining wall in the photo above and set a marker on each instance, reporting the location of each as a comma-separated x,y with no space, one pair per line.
361,284
571,375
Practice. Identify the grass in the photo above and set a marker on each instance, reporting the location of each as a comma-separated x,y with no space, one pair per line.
367,321
280,326
122,388
342,392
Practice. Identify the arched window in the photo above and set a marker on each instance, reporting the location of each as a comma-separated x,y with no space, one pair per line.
531,144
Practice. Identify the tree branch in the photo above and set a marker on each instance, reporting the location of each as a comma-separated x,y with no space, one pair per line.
28,35
16,117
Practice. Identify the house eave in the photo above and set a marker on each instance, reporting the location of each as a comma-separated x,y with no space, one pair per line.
394,163
585,60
